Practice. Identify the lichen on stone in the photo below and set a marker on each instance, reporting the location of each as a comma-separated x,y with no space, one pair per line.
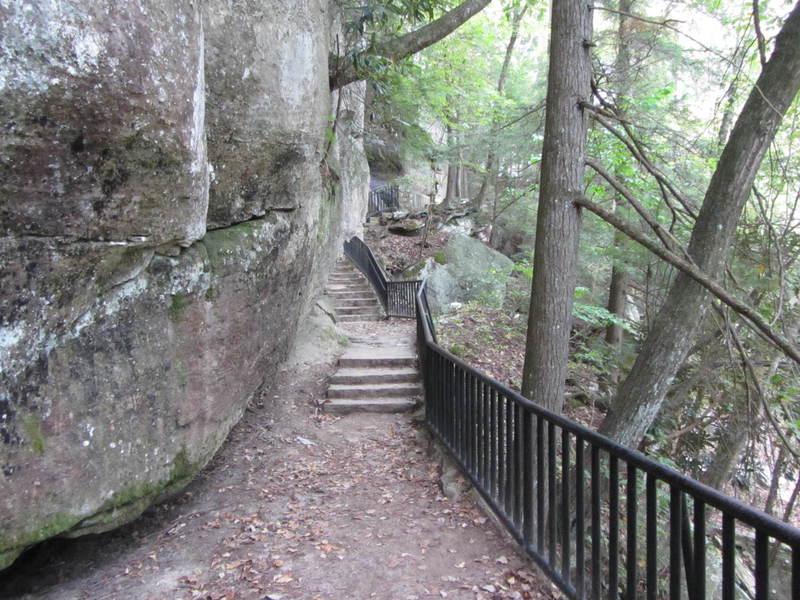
33,433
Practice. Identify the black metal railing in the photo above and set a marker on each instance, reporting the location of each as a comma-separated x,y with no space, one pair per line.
397,297
601,520
383,199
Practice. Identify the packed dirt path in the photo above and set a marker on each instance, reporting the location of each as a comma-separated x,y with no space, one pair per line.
298,505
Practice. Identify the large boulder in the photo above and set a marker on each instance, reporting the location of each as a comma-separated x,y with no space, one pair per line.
131,338
267,69
101,121
467,271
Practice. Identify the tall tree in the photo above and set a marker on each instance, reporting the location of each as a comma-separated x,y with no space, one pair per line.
558,220
489,179
618,287
642,393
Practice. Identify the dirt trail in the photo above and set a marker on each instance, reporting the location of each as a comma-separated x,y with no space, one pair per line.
297,505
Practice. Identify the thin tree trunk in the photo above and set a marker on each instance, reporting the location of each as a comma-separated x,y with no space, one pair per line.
617,297
641,394
729,449
730,97
617,292
558,220
774,484
451,192
490,172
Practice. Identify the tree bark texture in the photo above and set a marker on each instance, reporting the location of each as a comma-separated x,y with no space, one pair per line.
729,449
343,72
675,326
558,220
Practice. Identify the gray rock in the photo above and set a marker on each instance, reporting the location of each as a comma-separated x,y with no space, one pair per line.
406,227
462,226
102,126
473,272
266,71
131,339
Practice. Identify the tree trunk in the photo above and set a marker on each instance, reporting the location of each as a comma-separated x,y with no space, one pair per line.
617,292
343,72
729,449
451,193
617,299
558,220
641,394
775,481
490,172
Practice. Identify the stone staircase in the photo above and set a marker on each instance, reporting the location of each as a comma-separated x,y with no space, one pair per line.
375,375
353,297
378,371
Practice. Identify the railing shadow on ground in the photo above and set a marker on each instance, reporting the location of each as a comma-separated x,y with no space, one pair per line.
572,498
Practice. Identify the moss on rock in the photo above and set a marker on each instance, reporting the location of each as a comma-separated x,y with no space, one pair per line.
33,433
177,305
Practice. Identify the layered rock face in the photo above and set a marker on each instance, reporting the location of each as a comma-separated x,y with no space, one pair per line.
169,203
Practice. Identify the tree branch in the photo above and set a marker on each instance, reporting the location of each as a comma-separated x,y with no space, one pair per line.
634,146
699,276
762,44
343,73
665,236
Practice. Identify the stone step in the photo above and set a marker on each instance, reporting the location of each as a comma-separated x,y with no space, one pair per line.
349,287
357,310
356,301
349,293
353,318
343,406
374,390
346,278
376,356
375,375
346,294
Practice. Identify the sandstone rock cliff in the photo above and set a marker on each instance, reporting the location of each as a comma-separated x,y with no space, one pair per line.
168,207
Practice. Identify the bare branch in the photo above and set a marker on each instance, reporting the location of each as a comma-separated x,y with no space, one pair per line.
699,276
665,236
635,148
762,44
343,73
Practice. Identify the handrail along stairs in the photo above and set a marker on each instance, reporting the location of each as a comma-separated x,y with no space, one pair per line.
557,486
397,297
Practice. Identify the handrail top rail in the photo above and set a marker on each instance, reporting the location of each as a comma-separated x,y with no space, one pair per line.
743,512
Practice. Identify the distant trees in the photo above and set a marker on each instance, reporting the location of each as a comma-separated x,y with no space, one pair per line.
709,369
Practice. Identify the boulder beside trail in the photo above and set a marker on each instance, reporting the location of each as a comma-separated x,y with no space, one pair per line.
466,271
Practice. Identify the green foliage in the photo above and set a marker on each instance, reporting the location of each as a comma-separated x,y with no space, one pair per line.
597,316
370,14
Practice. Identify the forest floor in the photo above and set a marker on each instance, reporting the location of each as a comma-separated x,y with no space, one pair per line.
298,505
